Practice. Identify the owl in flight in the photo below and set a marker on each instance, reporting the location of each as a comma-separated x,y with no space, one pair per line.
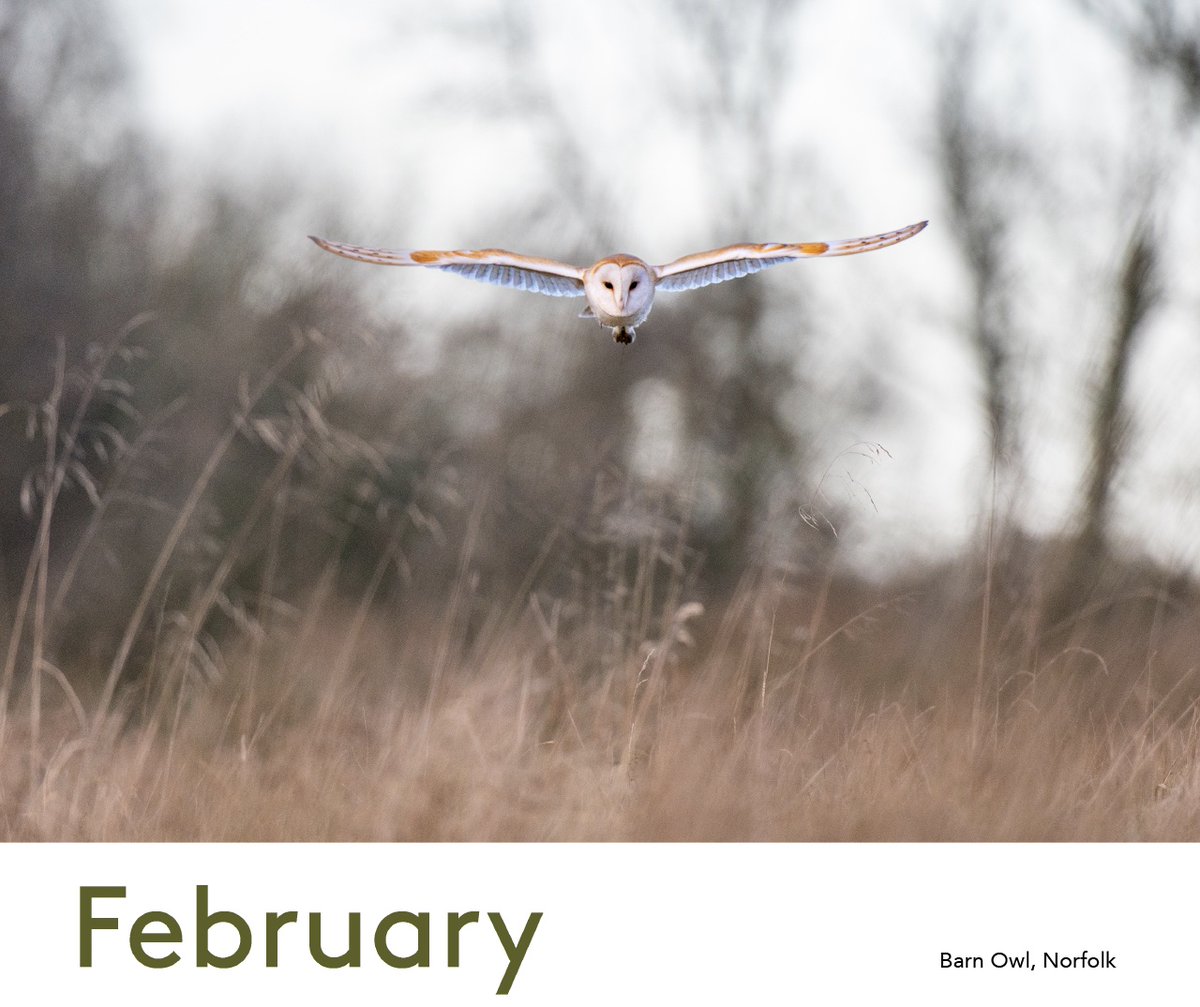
619,289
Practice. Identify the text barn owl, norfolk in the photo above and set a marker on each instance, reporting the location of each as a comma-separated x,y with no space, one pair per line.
619,289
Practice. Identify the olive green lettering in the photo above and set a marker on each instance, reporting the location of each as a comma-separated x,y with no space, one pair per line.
88,922
138,937
454,924
420,957
515,952
205,921
351,957
275,922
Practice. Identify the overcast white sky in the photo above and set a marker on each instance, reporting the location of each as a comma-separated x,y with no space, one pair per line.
352,97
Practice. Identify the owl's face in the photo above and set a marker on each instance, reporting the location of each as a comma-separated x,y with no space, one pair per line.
620,290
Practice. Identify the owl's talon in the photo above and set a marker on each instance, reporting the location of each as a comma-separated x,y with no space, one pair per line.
623,335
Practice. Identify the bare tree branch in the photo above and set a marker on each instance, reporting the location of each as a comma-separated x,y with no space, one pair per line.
977,171
1138,292
1163,35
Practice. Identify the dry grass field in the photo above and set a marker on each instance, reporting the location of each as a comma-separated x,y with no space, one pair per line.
855,714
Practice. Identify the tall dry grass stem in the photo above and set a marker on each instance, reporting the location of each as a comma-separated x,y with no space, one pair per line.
250,399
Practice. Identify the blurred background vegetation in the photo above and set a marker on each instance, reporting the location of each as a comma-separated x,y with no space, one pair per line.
201,433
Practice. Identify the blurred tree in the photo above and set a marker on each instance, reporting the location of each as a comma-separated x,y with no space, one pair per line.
74,200
1137,292
980,171
136,486
1162,35
737,409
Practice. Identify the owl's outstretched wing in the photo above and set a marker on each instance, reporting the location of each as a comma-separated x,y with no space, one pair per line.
490,265
721,264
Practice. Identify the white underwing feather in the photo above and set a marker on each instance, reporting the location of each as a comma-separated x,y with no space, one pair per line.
718,272
519,279
495,266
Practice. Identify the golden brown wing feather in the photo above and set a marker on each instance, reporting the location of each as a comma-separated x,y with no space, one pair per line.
488,265
720,264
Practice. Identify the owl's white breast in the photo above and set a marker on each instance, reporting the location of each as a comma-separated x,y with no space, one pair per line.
631,320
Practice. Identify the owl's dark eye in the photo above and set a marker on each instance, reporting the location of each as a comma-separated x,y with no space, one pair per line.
633,285
607,285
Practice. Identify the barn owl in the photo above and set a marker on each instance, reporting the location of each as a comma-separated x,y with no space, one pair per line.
619,289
